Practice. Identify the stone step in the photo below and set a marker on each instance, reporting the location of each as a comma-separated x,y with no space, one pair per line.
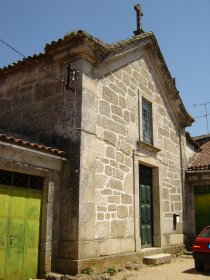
157,259
151,251
54,276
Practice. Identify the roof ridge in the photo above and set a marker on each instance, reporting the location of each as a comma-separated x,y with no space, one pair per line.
68,36
201,136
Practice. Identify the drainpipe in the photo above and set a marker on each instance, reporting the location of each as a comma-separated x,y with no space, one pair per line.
182,179
181,162
134,174
134,199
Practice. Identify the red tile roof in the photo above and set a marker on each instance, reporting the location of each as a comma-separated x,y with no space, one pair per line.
202,158
201,137
30,145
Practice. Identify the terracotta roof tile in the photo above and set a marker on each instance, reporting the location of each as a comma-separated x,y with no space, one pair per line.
31,145
202,158
202,139
70,37
205,136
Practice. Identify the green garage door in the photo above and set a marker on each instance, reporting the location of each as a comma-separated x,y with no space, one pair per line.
19,227
202,207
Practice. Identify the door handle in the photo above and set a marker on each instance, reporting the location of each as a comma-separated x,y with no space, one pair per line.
11,238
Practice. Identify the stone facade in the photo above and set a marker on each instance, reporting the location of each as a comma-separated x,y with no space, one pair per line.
97,120
114,155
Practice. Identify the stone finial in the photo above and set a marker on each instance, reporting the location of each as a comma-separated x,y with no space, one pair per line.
139,14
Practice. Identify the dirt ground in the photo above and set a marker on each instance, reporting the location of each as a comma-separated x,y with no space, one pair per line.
181,268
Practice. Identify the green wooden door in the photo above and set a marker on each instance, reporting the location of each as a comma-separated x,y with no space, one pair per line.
146,206
19,227
202,210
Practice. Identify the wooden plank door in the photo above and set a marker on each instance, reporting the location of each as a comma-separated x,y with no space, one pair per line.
146,219
19,222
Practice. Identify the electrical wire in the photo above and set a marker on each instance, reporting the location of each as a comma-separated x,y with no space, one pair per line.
21,54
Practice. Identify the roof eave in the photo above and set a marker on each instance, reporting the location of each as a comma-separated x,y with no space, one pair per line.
10,140
185,118
80,44
199,169
72,47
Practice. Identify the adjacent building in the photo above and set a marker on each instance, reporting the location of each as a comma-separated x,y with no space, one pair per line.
198,189
30,178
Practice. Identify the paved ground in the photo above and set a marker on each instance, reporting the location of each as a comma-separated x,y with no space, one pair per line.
181,268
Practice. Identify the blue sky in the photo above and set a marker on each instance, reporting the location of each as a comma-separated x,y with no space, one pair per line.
182,28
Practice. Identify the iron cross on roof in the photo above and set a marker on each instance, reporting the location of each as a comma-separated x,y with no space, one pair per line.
139,14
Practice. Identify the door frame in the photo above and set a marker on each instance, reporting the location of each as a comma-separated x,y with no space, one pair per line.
46,218
141,159
32,160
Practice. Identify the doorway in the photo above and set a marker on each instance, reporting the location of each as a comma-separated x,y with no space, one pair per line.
202,207
145,199
20,212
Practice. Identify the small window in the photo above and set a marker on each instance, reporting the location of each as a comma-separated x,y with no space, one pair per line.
147,121
21,180
5,177
36,182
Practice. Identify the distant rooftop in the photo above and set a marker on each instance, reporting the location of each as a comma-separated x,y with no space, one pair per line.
202,139
202,158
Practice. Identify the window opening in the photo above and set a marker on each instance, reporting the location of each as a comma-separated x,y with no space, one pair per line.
147,121
36,182
10,178
5,177
20,180
202,189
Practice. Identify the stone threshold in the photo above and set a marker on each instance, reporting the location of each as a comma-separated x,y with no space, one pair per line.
157,259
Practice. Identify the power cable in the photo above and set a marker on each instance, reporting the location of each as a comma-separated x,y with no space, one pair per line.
205,115
18,52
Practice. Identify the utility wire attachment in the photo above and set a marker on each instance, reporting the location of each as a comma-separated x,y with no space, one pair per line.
205,115
71,76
